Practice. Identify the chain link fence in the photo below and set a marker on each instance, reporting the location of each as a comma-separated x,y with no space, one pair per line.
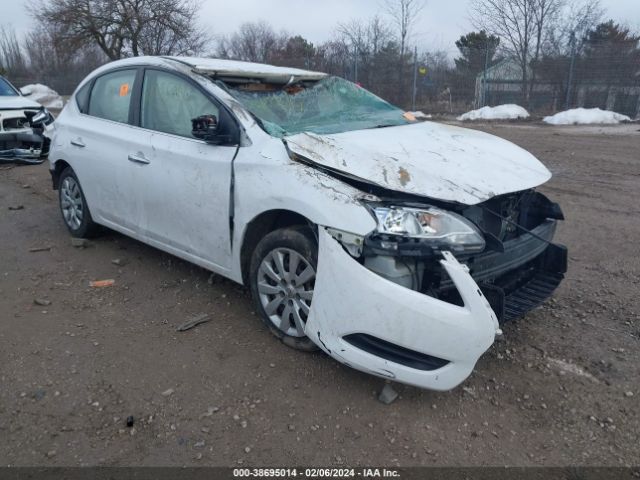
605,75
64,84
602,75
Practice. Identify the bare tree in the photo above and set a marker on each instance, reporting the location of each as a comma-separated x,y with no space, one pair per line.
576,18
253,42
52,60
364,40
528,27
12,57
122,28
404,13
367,36
514,22
544,13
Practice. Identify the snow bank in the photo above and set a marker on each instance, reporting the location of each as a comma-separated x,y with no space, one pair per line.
501,112
586,116
44,96
419,115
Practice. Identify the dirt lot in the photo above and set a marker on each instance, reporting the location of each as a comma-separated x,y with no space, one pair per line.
561,388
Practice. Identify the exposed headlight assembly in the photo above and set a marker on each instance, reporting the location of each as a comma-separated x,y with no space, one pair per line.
444,229
42,118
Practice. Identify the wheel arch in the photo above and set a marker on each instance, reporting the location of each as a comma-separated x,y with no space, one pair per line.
262,224
59,166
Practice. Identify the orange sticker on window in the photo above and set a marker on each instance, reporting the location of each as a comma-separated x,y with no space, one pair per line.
124,89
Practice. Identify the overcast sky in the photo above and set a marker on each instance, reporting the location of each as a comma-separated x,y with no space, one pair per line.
440,24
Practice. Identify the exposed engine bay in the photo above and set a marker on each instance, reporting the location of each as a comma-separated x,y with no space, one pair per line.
517,270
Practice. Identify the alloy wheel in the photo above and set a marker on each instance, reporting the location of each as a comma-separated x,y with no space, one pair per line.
285,287
71,203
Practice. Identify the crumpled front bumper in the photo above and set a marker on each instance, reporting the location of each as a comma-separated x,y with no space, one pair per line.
382,328
27,147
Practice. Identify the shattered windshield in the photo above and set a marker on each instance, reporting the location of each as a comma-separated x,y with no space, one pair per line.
331,105
6,90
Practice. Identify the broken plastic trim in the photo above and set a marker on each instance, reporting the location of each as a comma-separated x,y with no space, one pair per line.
350,241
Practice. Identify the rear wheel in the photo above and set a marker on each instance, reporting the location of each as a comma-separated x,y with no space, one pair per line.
282,275
73,206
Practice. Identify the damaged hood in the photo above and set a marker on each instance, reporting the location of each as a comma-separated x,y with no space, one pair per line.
16,102
428,159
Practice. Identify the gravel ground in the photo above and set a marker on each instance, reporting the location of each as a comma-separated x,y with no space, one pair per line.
561,388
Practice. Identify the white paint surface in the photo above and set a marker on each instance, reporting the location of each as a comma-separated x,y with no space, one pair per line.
247,69
428,159
418,322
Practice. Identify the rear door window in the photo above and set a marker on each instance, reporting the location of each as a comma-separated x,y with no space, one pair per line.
111,96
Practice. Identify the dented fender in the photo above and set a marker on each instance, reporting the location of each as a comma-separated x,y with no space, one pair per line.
350,299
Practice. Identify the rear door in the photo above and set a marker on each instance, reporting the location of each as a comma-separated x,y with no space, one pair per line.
98,150
183,183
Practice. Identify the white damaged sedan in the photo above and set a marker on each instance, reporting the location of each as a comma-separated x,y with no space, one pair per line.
397,247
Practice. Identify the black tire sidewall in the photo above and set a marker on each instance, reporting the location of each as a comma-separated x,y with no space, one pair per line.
87,226
301,240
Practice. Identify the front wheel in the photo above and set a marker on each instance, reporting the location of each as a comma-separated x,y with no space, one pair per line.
282,277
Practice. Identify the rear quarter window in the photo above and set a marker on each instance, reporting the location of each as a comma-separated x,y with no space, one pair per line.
82,98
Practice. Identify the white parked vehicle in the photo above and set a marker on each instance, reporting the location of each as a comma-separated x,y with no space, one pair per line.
22,122
395,246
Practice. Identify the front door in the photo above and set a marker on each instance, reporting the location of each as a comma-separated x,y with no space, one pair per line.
183,182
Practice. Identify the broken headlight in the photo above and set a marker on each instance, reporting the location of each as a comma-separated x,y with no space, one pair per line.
444,229
41,118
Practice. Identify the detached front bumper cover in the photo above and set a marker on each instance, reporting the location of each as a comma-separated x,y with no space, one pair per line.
382,328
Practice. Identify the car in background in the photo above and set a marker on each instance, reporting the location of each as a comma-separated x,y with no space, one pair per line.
397,247
22,123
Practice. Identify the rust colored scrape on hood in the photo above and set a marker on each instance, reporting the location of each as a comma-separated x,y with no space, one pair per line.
429,159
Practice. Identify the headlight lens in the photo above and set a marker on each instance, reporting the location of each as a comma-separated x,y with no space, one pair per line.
443,228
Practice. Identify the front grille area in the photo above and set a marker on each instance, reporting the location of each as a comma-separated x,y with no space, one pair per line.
514,292
530,295
395,353
16,123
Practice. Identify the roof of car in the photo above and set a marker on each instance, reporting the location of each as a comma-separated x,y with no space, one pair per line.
227,70
234,68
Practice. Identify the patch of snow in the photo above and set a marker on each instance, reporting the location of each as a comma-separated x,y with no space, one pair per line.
586,116
44,95
419,115
501,112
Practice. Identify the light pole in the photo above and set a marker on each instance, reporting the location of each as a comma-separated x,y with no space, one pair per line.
572,64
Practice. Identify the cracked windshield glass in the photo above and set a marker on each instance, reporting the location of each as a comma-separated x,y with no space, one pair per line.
331,105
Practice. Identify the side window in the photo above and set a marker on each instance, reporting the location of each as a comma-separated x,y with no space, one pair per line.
169,103
82,98
111,96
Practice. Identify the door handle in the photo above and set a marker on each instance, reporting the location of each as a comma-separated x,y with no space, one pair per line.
138,158
78,143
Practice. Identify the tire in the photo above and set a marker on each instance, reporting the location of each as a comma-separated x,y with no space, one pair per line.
73,206
281,297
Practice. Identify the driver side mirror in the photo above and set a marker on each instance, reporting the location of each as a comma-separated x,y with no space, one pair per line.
205,127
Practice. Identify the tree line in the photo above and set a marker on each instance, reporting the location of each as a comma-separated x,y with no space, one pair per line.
546,38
